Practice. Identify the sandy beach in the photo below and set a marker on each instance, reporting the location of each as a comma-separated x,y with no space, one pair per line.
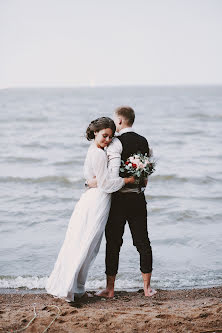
196,310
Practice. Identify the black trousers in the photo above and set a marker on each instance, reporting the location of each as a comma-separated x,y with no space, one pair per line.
129,207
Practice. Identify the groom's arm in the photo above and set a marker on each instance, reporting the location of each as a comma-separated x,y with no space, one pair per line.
114,151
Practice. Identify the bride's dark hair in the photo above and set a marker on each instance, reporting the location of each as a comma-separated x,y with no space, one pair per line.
98,125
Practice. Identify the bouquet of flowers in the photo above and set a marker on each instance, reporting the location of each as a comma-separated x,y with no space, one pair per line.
139,166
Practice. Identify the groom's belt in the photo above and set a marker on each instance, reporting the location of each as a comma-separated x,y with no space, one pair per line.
132,188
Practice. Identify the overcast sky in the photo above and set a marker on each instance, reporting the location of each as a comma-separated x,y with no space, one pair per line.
110,42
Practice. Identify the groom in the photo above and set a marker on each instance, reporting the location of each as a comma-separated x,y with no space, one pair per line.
128,204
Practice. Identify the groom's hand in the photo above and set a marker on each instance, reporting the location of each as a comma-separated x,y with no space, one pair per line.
92,183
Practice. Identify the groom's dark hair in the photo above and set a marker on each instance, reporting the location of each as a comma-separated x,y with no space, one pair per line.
126,112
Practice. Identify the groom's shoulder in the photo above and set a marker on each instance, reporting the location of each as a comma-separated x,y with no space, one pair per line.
115,145
116,142
133,135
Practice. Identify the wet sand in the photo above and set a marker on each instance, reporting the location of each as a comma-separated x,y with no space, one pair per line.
196,310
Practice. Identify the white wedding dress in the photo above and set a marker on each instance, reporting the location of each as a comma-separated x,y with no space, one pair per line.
85,229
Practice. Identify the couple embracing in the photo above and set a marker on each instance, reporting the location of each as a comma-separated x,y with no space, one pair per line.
110,200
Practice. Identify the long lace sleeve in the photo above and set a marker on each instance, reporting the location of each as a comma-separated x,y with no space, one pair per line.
105,181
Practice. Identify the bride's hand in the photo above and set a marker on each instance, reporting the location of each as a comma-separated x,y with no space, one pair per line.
92,183
130,180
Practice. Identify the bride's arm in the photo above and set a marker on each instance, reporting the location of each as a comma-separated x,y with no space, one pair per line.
114,151
104,179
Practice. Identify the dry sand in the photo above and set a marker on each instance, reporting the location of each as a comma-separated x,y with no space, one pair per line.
197,310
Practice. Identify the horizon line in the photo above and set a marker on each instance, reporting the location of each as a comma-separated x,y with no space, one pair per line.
113,86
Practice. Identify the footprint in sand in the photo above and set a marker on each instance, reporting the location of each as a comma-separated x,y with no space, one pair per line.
24,320
204,315
64,313
158,303
163,316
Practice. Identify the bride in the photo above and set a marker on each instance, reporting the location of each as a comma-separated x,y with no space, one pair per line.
88,220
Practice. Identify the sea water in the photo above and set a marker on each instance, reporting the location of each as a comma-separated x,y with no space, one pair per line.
42,151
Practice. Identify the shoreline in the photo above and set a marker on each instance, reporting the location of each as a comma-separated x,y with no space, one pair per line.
186,310
25,290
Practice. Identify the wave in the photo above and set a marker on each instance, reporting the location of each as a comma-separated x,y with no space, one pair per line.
78,161
14,159
35,145
24,159
30,282
196,180
47,179
39,282
176,281
24,120
169,177
207,116
159,197
49,145
187,196
32,119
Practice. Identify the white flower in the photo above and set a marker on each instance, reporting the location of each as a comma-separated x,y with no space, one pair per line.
136,161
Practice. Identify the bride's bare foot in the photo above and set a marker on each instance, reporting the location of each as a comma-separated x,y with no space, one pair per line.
106,293
149,292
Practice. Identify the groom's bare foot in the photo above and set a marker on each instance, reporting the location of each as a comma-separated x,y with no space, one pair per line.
149,292
106,293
